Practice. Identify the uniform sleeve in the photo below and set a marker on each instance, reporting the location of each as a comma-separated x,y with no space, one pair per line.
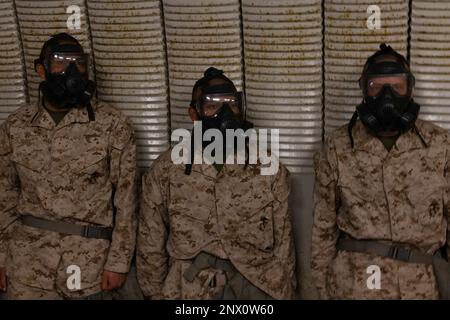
284,240
325,231
9,192
447,197
123,169
151,253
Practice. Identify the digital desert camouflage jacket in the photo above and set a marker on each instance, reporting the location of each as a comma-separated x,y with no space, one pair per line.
401,196
238,210
81,172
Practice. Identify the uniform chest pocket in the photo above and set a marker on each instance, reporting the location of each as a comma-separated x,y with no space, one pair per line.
30,150
348,196
33,159
427,204
191,197
248,205
90,168
256,227
359,190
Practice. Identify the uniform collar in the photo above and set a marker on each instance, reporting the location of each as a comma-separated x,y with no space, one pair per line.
43,119
410,140
232,169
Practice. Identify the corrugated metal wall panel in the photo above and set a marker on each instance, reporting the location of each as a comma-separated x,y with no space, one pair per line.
39,20
200,34
283,73
282,59
430,59
12,77
128,43
348,44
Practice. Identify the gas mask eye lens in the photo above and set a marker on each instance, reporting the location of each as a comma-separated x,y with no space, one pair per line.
400,88
210,105
209,109
60,61
373,88
398,84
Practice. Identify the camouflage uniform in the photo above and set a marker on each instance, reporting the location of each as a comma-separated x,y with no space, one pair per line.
234,214
399,196
81,172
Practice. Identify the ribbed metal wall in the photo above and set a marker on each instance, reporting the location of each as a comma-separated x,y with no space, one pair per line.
200,34
283,73
430,59
348,44
130,63
38,20
12,78
278,44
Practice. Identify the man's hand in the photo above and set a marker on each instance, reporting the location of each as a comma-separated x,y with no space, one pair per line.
112,280
3,279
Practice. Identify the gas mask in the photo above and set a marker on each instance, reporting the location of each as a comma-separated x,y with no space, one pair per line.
220,107
388,105
67,84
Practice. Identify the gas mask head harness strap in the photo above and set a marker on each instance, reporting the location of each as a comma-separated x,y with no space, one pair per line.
66,66
387,84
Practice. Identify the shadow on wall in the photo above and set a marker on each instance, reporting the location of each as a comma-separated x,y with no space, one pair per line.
301,205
